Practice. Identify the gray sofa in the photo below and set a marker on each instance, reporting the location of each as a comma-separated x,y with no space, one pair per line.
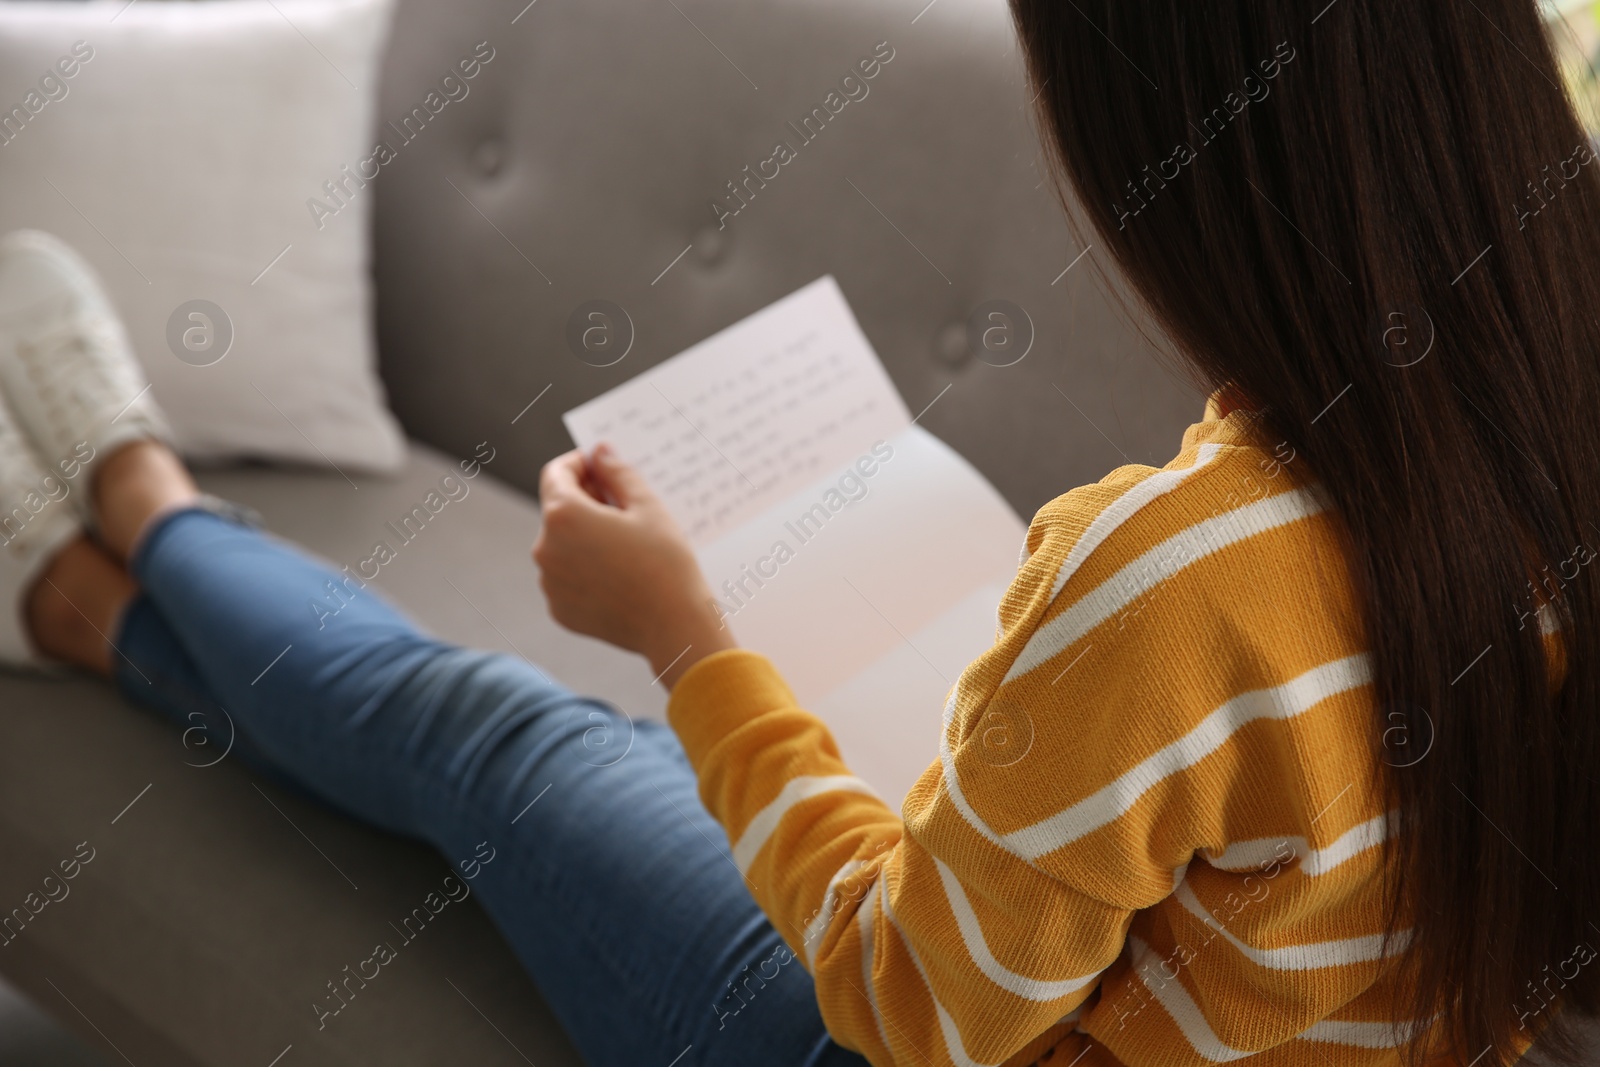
216,906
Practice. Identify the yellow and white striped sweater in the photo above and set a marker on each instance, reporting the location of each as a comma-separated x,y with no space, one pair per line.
1153,833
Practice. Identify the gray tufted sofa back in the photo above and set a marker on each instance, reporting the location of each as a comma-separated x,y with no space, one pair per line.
596,158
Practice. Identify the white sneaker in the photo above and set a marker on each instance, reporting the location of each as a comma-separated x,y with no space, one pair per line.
36,520
66,366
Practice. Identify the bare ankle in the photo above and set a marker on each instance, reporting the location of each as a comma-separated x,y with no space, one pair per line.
135,484
77,603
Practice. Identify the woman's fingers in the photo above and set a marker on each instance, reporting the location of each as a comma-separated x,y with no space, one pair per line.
603,478
615,566
563,480
623,483
561,473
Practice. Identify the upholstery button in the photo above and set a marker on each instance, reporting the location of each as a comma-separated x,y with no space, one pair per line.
710,244
951,344
490,156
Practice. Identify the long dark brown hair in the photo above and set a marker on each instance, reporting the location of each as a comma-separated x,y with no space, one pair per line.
1380,223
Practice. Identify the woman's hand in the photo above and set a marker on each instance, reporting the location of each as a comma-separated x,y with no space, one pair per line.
614,565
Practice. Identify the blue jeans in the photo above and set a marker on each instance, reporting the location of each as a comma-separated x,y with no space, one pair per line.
611,882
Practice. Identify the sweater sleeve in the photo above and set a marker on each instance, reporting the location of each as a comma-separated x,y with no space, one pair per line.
931,938
925,946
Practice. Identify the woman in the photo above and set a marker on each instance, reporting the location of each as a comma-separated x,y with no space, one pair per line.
1311,708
